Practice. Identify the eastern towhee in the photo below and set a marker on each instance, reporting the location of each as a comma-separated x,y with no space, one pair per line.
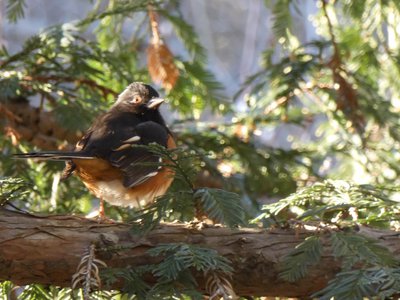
107,161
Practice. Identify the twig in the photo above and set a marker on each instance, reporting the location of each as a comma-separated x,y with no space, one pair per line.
218,286
154,25
347,100
336,56
9,114
87,272
106,91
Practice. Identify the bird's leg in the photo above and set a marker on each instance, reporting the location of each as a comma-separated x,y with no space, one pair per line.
102,214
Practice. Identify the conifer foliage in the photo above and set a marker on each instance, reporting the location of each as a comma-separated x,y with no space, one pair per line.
340,91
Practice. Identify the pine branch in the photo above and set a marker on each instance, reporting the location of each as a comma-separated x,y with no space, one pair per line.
188,36
219,286
306,254
360,284
12,189
67,79
355,249
347,101
221,206
87,273
124,7
335,203
15,10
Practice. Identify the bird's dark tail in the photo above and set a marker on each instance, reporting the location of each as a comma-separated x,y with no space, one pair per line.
54,155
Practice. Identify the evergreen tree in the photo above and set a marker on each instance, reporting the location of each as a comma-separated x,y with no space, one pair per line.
341,90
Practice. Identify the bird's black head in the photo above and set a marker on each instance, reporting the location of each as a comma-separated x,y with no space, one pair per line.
140,98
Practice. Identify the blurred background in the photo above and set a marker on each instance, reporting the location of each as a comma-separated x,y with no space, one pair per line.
265,98
234,34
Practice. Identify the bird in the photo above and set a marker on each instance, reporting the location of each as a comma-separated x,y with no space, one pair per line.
111,158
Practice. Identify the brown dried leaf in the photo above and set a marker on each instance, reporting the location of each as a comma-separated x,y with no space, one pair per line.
161,65
219,287
87,273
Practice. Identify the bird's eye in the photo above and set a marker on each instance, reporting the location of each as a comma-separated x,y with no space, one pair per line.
136,99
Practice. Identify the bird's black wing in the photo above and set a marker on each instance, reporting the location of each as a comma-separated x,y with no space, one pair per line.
139,164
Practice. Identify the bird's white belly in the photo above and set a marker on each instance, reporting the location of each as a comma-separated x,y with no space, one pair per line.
116,194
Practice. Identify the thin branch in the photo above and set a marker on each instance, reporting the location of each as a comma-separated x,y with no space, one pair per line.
336,54
154,26
85,81
347,100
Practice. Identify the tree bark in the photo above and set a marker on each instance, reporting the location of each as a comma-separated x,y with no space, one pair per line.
48,249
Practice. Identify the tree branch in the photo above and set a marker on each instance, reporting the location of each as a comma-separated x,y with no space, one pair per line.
48,249
22,121
347,100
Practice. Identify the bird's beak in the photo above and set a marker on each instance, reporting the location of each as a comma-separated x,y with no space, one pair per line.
155,103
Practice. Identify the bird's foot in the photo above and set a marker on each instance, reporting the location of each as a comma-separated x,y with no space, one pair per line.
200,224
101,217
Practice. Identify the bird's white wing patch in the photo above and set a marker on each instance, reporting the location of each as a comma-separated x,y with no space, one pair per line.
127,143
133,139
